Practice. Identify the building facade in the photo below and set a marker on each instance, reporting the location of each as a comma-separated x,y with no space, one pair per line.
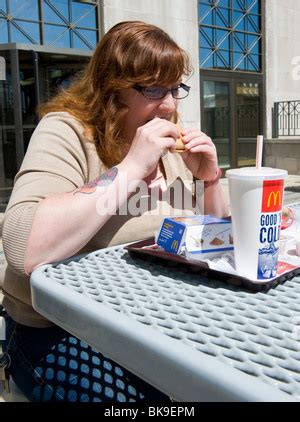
245,55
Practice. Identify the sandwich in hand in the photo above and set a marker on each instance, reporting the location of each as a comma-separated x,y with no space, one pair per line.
180,146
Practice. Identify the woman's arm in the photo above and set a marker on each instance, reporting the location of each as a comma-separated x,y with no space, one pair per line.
214,201
64,223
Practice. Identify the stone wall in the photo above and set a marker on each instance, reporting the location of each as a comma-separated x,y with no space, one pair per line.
282,63
283,153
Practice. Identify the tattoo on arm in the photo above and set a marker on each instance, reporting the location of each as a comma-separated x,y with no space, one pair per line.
104,180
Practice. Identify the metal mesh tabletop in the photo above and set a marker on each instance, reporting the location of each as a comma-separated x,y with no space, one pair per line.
203,325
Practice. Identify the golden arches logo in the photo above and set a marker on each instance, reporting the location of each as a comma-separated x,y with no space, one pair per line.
276,196
272,195
174,245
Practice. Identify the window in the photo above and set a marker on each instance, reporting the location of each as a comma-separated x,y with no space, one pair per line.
57,23
230,34
70,24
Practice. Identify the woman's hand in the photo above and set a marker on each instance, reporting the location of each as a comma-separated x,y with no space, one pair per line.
201,155
149,144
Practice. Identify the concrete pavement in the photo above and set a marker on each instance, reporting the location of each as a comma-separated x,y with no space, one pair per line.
292,189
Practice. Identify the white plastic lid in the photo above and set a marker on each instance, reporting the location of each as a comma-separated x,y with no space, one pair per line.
252,173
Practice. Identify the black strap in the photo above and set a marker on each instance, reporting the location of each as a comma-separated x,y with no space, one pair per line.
2,310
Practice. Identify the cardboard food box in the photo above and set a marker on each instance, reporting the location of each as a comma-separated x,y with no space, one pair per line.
196,237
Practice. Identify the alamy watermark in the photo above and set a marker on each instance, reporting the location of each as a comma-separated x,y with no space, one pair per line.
296,68
137,198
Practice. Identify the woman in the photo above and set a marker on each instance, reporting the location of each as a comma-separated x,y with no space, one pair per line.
115,123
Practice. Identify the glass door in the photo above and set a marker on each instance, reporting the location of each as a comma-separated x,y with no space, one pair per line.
248,121
231,114
8,163
58,77
216,118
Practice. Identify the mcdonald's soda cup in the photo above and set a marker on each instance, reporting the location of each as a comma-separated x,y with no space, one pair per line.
256,197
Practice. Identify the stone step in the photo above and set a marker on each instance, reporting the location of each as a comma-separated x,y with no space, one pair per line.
15,394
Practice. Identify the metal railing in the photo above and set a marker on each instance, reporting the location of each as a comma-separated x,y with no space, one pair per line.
287,118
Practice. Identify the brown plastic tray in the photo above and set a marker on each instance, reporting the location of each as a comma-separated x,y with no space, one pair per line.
143,249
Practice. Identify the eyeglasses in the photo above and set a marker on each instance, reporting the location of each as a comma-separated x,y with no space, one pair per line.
158,93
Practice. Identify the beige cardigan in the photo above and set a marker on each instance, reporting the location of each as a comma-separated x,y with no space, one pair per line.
60,159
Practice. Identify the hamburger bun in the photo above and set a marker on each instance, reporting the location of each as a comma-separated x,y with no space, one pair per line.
180,146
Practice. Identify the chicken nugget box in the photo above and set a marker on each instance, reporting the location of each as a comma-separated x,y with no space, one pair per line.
196,237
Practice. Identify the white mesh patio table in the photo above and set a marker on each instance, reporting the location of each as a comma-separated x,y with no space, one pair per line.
195,338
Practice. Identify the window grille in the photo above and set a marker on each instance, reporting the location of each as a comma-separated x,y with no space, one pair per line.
230,34
56,23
